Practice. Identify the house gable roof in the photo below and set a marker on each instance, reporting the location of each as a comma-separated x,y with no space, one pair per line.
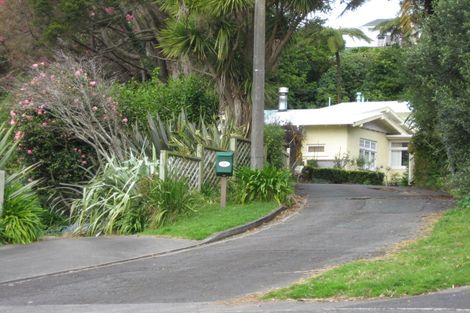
375,22
348,113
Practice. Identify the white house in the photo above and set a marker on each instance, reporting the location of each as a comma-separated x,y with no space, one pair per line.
377,133
369,30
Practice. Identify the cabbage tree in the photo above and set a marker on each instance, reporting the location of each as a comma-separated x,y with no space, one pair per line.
336,44
216,38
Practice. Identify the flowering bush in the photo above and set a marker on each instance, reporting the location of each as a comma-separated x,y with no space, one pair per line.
66,120
76,93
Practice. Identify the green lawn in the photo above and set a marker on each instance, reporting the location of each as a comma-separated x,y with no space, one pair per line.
439,261
213,219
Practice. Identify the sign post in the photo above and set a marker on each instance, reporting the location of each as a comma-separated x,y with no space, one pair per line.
2,190
223,191
224,169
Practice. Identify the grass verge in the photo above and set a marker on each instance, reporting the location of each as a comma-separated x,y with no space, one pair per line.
212,219
438,261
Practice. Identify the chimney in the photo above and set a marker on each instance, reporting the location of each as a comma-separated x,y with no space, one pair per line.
283,98
359,97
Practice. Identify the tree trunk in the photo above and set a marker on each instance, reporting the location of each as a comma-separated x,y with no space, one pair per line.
234,102
428,8
339,79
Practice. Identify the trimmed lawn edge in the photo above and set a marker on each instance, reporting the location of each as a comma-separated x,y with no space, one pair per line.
214,224
408,254
246,227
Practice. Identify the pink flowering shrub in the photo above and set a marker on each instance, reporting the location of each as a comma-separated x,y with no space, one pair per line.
73,98
66,121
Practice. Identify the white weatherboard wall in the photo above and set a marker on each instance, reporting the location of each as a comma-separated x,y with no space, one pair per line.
335,139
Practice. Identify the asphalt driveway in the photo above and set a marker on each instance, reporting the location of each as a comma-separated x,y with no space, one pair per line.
339,223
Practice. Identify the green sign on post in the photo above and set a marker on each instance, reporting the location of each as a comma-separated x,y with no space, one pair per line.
224,163
223,168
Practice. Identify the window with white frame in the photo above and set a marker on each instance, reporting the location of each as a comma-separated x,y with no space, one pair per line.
315,148
368,153
400,157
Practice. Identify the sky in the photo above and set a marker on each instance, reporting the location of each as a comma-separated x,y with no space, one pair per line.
371,10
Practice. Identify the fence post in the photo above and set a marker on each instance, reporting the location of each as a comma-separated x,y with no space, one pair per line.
163,164
233,147
2,190
287,159
200,155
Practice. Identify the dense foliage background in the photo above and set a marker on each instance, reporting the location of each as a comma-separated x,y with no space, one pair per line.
439,71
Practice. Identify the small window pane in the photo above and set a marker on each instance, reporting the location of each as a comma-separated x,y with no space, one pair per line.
316,148
396,158
405,158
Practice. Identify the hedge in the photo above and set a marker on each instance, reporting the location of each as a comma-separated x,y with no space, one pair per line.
340,176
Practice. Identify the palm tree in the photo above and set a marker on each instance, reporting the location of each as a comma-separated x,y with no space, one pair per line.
336,44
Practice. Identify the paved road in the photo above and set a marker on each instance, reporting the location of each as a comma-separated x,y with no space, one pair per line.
449,301
340,223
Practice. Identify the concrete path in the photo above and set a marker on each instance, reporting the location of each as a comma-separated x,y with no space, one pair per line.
19,262
340,223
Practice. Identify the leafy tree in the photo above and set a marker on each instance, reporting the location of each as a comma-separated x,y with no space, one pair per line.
376,72
385,77
194,95
18,43
216,37
121,33
439,71
301,66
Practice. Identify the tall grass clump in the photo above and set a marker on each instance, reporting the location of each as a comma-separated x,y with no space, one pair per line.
20,216
111,201
265,185
126,196
21,221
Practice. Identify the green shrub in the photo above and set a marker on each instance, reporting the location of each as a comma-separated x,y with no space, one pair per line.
274,141
312,163
460,183
340,176
265,185
60,158
165,201
192,94
22,212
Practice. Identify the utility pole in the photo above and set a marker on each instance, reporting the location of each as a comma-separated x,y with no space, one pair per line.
257,112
